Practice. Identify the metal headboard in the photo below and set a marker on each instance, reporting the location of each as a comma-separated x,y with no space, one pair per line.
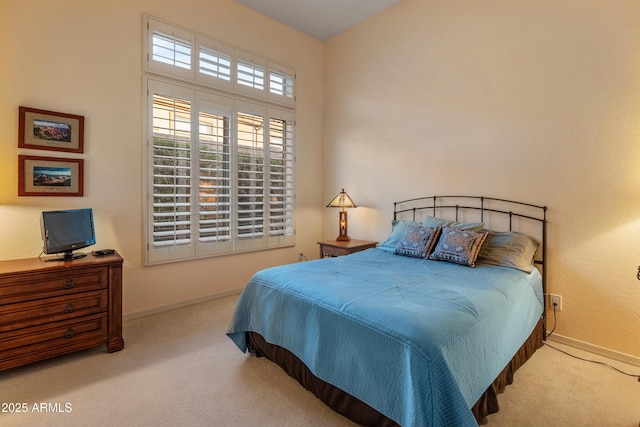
480,206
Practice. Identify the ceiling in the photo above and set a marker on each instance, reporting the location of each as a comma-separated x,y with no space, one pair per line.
320,19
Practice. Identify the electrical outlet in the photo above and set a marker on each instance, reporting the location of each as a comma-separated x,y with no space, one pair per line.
300,256
555,300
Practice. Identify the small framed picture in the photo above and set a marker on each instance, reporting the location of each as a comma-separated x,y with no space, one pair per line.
48,130
50,176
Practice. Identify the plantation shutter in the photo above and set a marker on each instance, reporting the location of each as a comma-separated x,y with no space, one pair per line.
171,199
250,75
214,175
281,81
281,161
215,64
250,156
170,49
219,134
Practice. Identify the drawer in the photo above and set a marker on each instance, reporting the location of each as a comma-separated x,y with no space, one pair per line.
54,309
43,341
20,288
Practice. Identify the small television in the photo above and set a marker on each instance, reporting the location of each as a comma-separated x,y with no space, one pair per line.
65,231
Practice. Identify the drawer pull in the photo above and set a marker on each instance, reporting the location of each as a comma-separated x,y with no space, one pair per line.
69,332
69,308
68,284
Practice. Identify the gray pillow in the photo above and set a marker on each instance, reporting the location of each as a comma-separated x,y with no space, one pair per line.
432,221
508,249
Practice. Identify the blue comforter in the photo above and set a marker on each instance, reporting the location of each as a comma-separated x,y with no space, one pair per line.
416,339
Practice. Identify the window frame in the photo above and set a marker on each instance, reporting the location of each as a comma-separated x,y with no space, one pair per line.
207,94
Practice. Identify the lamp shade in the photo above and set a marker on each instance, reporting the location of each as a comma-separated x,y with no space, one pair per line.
342,200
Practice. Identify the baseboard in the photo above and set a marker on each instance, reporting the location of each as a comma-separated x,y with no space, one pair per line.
181,304
591,348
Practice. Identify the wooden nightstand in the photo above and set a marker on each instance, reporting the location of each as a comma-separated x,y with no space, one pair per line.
329,248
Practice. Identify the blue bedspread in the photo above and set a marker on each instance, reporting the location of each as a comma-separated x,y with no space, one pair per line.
418,340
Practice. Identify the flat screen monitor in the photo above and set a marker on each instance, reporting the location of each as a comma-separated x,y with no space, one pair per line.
66,231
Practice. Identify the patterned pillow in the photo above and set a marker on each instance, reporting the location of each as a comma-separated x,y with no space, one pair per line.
398,230
417,241
459,246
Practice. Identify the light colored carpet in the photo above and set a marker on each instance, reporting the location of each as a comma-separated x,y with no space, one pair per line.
179,368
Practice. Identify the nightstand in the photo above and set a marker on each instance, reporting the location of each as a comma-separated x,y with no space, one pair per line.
329,248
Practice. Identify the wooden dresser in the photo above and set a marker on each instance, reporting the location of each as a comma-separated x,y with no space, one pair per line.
52,308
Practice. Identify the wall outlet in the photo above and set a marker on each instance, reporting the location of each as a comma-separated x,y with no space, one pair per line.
301,256
555,300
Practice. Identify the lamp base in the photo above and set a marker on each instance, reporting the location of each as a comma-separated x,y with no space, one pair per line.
342,224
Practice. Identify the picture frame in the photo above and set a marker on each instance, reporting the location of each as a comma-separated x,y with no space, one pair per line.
50,176
50,130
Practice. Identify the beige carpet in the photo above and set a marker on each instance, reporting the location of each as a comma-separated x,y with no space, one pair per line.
178,368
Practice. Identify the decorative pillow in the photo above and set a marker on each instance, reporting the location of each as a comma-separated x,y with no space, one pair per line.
509,249
398,230
417,241
432,221
459,246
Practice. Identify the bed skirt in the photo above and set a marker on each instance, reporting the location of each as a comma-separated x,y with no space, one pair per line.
361,413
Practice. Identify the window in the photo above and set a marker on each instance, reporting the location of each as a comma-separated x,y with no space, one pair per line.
281,81
221,174
179,53
250,74
215,64
171,170
220,165
171,50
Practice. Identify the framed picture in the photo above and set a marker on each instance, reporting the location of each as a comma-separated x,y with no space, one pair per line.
50,176
48,130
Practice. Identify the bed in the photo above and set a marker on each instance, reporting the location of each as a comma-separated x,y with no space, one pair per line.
424,330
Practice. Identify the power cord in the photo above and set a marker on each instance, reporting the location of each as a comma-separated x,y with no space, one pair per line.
580,358
555,322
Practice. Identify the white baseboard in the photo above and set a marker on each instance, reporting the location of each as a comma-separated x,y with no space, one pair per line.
600,351
143,313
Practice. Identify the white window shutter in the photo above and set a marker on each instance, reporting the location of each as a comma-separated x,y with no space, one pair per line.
250,75
215,63
250,176
215,177
220,135
170,201
281,170
281,84
169,49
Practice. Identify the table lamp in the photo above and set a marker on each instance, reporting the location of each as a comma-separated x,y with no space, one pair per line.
342,200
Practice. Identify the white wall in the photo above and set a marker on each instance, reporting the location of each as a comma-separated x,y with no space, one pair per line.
536,101
85,57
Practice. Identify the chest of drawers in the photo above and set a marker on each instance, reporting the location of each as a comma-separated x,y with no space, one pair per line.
53,308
